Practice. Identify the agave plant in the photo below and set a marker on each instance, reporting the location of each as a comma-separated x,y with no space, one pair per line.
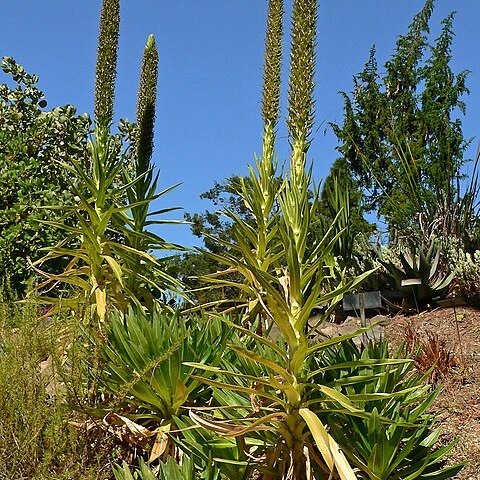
418,273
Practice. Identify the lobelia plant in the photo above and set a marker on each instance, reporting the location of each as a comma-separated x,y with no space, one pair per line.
143,191
110,263
100,261
272,396
258,192
288,283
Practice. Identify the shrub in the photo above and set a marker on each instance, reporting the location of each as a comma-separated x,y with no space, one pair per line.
431,354
32,141
36,440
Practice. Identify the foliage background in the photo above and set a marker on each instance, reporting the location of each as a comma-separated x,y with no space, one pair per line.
208,130
32,142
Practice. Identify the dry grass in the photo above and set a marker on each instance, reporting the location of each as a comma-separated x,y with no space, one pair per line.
36,439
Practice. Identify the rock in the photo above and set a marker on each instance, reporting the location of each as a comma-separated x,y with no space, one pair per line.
351,325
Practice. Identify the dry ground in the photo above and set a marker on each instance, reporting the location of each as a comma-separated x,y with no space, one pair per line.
458,405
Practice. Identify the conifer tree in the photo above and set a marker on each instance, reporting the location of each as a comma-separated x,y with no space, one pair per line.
444,141
400,137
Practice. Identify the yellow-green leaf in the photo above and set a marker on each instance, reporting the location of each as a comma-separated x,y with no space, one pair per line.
328,447
116,268
101,303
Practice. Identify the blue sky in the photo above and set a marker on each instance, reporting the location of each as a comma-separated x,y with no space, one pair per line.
211,53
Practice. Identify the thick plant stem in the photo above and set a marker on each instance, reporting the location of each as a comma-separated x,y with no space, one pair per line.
295,209
296,467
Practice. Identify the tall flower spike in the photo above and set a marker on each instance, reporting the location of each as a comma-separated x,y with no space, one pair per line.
273,63
106,70
302,71
147,94
271,102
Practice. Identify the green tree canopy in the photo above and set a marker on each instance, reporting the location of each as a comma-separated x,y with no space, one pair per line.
402,136
32,142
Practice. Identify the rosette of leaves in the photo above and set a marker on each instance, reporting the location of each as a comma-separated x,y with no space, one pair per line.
398,438
145,365
146,354
421,265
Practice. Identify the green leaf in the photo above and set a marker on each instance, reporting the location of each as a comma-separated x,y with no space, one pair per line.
329,449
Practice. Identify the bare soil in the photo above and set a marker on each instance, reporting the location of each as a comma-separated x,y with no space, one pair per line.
457,333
